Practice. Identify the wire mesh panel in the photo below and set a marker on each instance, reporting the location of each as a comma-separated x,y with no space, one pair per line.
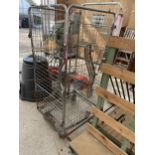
89,31
47,36
64,110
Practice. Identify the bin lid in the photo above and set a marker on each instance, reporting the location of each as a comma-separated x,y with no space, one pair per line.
39,59
28,59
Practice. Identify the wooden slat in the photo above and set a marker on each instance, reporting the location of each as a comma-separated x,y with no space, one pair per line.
86,144
122,130
118,72
105,141
123,104
121,43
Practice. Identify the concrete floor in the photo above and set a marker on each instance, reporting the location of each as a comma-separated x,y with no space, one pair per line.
37,137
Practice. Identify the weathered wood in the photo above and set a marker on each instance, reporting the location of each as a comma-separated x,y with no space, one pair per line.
122,130
131,20
121,43
123,104
105,141
86,144
119,73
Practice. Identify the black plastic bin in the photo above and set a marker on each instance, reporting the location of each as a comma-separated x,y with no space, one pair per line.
27,83
25,23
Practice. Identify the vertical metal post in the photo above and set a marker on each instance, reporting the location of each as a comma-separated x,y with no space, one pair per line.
32,46
66,27
104,80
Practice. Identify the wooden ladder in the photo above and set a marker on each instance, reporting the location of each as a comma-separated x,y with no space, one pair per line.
125,58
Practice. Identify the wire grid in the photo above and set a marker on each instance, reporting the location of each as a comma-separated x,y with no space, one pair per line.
45,26
64,111
89,32
76,109
48,54
85,83
93,28
42,21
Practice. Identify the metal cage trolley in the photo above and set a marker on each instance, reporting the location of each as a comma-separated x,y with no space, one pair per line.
66,52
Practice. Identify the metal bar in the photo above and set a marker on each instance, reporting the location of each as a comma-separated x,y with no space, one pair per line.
103,26
117,87
122,88
89,9
32,45
109,108
113,85
104,3
47,7
127,88
133,91
78,125
120,118
86,119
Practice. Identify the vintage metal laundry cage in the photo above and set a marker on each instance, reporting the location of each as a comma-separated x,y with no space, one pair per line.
72,41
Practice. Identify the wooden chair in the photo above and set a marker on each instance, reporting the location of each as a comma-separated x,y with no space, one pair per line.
95,142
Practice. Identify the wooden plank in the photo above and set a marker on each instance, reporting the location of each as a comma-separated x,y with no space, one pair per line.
105,141
131,21
86,144
123,104
121,43
118,72
122,130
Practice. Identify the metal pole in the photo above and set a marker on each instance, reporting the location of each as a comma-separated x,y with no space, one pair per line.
89,9
65,62
103,3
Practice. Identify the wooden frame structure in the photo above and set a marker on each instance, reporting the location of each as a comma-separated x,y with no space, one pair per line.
127,107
